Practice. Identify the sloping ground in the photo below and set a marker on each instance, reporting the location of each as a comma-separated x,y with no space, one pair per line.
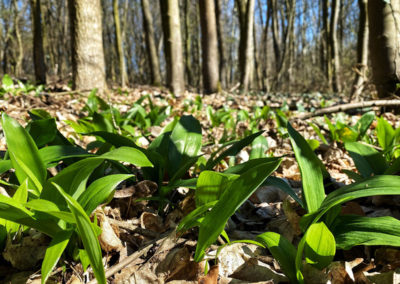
140,244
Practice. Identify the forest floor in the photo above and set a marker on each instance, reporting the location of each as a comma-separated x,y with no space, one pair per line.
159,255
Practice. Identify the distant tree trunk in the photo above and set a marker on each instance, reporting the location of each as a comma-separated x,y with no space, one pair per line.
151,45
188,42
274,12
209,46
20,56
326,52
246,48
173,45
221,44
119,45
362,50
38,53
384,45
334,46
87,45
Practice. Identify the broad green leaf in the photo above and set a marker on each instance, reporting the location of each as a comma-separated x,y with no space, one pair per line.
314,144
21,196
14,211
192,219
347,134
353,175
54,252
231,199
5,165
22,147
332,129
114,139
185,142
367,160
87,234
319,133
259,147
282,250
385,133
99,191
310,168
233,150
353,230
320,246
101,123
244,167
376,185
37,114
7,83
42,131
364,123
281,184
210,186
51,209
61,152
127,154
84,258
394,168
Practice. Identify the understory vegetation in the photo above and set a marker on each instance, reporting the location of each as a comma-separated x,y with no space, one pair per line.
203,162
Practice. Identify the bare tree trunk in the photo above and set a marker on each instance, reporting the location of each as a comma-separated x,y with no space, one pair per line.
362,50
209,46
246,48
87,45
151,45
20,56
334,46
188,43
38,53
119,45
274,12
221,44
326,53
384,45
173,45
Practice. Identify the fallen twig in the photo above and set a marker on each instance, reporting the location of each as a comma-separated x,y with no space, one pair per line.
344,107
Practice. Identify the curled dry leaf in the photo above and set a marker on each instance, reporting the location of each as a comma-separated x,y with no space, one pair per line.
151,221
292,216
108,238
211,277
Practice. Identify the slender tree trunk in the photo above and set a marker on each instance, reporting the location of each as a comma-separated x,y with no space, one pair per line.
209,46
118,44
151,45
384,45
362,50
246,48
274,12
87,45
188,43
173,45
326,42
20,56
334,46
221,44
38,53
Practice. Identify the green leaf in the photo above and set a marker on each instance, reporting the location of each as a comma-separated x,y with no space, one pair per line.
21,196
353,230
51,209
367,160
99,191
54,252
185,142
364,123
5,165
233,150
318,131
376,185
57,153
281,184
310,168
114,139
127,154
22,148
314,144
320,246
259,147
42,131
234,196
210,186
282,250
193,218
7,83
14,211
87,234
385,133
101,123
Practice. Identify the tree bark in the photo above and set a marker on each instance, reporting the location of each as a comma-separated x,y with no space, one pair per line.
246,48
334,46
221,44
88,66
362,50
119,45
151,45
384,45
209,46
38,53
173,45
